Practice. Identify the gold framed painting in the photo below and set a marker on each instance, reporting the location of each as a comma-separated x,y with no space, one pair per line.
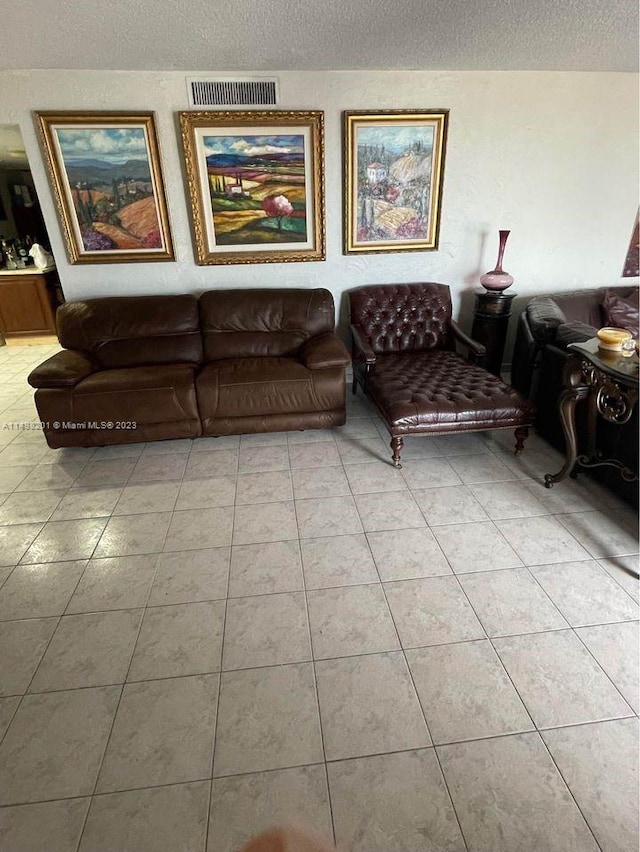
393,163
106,176
256,185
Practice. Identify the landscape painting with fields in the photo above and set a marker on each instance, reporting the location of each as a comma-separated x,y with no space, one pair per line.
111,188
257,189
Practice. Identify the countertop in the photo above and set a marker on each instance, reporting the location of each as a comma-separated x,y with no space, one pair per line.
30,270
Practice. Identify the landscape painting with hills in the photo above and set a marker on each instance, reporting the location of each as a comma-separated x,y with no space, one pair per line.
111,188
257,188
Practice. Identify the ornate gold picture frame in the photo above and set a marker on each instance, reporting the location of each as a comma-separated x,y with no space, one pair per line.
105,173
393,163
256,185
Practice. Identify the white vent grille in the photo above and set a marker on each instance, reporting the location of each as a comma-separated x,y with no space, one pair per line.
252,91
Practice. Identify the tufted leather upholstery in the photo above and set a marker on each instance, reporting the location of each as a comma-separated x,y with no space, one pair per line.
404,357
403,317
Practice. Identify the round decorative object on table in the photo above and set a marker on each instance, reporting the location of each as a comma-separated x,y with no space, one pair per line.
498,280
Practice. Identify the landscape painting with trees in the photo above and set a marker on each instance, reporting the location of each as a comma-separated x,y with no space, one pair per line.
106,174
394,163
255,180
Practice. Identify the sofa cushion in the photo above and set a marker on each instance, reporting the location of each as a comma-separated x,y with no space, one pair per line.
622,311
271,323
247,387
133,331
152,394
573,332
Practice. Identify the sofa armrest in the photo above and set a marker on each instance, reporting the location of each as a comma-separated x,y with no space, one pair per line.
573,332
361,347
544,315
476,350
63,370
325,350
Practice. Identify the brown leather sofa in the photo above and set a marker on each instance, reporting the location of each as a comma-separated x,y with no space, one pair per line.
154,367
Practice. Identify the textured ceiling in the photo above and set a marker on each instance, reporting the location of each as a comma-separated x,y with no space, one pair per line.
268,35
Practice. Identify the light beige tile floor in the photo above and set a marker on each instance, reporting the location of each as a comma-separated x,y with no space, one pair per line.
199,638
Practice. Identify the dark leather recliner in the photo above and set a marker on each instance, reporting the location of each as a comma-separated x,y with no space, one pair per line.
231,362
546,327
405,359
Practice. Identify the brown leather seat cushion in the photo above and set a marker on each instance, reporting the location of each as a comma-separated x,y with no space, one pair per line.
439,391
153,394
246,387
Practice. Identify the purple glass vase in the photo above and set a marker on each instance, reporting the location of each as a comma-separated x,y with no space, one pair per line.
497,279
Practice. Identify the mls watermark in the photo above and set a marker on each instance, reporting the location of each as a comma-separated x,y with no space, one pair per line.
74,425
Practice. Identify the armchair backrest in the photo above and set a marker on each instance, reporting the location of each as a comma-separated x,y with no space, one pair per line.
402,317
265,322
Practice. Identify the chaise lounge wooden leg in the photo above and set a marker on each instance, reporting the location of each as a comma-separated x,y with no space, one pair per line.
521,434
396,445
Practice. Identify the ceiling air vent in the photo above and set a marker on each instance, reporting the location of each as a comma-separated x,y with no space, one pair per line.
250,91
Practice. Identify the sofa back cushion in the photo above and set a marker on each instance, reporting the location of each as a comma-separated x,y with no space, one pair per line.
132,331
402,317
622,311
262,323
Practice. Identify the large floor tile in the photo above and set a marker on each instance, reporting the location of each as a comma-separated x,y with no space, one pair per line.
268,719
55,743
211,463
160,819
350,620
550,671
261,569
200,528
393,803
407,554
475,547
465,692
541,541
263,458
615,647
337,561
424,473
46,477
37,591
327,516
159,466
483,467
319,482
243,806
309,455
508,500
11,477
146,497
43,827
509,796
8,707
269,487
87,502
112,471
118,582
510,602
265,522
65,541
190,575
177,640
267,630
394,511
363,449
368,705
600,764
432,611
163,734
447,505
29,507
93,649
585,593
624,570
604,533
15,541
23,643
206,493
131,534
374,478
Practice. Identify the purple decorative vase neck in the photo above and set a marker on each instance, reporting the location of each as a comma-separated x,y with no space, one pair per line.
497,279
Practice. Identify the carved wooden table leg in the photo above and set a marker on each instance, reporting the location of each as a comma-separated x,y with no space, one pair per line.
567,405
396,445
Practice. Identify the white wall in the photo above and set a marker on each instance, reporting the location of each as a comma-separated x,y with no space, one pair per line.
552,156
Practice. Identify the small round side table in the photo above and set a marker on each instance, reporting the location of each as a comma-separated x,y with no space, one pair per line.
490,323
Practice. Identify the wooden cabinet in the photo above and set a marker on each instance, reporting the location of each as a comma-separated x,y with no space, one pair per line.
27,303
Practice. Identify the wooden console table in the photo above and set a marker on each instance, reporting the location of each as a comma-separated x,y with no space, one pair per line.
609,383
